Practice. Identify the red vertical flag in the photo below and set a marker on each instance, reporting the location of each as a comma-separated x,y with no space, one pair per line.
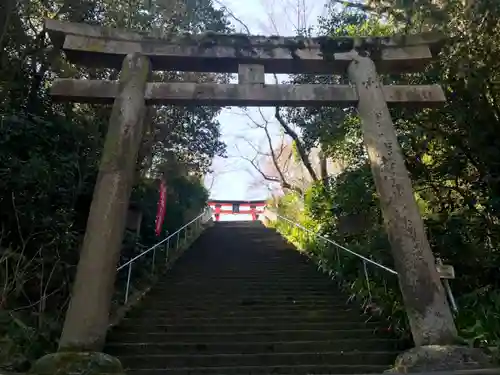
160,214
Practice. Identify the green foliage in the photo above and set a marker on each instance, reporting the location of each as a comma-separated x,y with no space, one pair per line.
49,153
46,180
451,153
479,317
322,211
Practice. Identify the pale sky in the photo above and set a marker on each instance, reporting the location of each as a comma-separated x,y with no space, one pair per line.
233,177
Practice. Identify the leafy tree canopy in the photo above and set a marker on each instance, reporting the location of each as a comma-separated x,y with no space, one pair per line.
49,154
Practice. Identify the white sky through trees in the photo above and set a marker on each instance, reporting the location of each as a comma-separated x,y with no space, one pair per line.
233,178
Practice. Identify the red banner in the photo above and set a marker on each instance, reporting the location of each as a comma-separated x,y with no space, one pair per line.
160,214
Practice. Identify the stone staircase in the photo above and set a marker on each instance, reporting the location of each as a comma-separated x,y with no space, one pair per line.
243,301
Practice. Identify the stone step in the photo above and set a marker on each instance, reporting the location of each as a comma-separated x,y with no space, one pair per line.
345,314
254,270
215,328
325,309
245,336
309,317
241,282
243,301
200,289
254,305
350,344
260,370
263,359
251,296
195,301
242,296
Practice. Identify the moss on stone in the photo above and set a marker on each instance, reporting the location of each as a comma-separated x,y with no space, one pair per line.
76,363
441,358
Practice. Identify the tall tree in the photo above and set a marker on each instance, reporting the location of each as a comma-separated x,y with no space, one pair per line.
49,154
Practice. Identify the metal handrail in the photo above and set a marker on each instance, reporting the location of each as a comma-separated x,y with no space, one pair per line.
207,212
338,245
365,260
161,242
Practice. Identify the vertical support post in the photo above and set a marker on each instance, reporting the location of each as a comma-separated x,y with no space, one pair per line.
87,317
168,249
431,320
451,298
251,74
153,262
365,270
127,287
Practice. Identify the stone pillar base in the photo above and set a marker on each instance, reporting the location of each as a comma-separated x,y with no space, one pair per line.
77,363
431,358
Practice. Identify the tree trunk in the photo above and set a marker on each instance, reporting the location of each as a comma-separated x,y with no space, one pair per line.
430,317
323,165
88,313
300,149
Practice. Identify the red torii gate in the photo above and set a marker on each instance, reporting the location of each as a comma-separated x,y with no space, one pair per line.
229,207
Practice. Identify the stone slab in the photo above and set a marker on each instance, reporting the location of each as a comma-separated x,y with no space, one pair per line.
97,46
444,358
484,371
210,94
251,74
77,363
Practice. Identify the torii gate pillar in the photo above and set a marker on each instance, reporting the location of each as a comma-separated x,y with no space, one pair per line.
425,301
87,317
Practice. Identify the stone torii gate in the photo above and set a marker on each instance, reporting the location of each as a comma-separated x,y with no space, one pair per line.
136,54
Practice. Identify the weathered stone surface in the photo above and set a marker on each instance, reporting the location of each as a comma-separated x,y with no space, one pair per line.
77,363
441,358
102,47
424,95
94,91
87,317
251,74
428,312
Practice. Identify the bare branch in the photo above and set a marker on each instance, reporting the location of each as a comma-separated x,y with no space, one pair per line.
300,149
281,177
259,170
233,16
273,157
359,6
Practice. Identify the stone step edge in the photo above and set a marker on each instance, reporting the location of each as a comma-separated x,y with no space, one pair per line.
484,371
489,371
224,369
304,325
238,343
246,333
266,354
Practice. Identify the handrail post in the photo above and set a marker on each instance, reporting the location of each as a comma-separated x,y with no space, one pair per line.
128,282
166,246
153,263
168,249
367,280
451,298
